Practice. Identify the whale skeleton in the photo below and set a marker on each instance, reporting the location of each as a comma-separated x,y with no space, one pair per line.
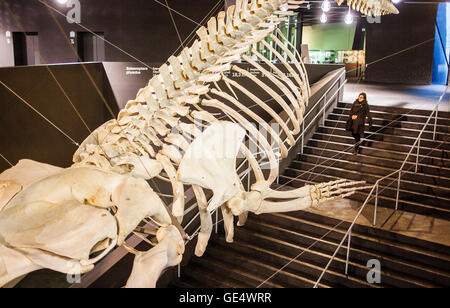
58,218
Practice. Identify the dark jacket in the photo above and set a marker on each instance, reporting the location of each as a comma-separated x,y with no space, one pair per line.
361,110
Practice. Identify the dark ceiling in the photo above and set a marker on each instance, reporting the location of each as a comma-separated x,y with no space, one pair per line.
311,15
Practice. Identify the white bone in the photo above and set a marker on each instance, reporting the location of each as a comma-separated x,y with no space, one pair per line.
205,220
273,94
177,187
255,117
288,81
255,99
213,153
281,86
149,265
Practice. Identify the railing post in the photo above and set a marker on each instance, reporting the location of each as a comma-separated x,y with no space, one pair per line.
435,123
398,189
248,177
303,134
376,205
418,153
324,109
217,220
348,251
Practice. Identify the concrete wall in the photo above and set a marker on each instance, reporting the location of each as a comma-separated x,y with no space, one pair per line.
142,28
414,25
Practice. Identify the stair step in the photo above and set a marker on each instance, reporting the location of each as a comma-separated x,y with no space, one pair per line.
312,235
252,263
318,251
378,123
432,170
433,249
237,275
398,131
438,151
372,135
398,117
384,201
280,254
408,190
202,277
429,158
397,110
433,184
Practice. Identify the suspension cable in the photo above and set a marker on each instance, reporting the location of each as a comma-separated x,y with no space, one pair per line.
173,21
40,114
6,160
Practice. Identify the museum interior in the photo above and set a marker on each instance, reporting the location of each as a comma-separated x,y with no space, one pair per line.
317,133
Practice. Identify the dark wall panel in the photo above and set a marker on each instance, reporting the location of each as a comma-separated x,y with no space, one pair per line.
414,25
24,134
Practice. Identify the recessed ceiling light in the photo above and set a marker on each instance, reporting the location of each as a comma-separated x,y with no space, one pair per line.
349,18
326,6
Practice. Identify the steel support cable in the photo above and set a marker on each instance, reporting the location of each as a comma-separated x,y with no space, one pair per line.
175,11
40,114
50,8
191,36
6,160
173,21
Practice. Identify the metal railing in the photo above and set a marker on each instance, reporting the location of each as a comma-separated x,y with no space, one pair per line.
375,188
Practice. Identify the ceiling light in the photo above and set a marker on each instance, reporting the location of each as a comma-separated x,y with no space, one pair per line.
326,6
396,1
349,18
62,1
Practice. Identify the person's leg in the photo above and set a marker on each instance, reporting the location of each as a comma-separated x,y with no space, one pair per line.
357,142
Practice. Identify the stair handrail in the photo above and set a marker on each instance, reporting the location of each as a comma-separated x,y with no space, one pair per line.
348,234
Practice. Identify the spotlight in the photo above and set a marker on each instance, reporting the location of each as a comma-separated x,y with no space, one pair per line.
396,1
62,1
349,17
323,18
326,6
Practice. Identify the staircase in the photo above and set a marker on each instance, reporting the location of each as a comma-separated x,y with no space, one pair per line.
328,156
268,242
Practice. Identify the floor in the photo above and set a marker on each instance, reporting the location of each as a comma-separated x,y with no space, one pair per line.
409,224
403,96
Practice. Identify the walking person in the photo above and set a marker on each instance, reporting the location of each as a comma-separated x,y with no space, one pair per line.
357,120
